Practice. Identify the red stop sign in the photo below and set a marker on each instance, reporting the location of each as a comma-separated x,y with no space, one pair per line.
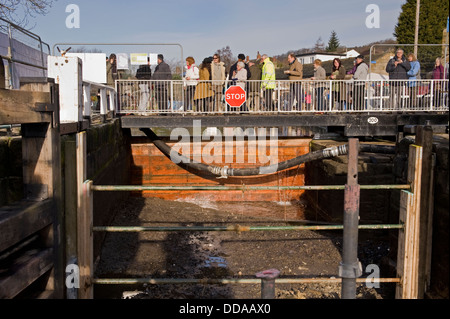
235,96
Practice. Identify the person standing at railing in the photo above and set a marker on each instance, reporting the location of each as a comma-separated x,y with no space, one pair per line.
203,92
190,82
239,78
295,73
241,58
253,93
144,73
397,67
111,70
218,77
338,88
359,88
414,74
161,78
438,75
319,75
267,82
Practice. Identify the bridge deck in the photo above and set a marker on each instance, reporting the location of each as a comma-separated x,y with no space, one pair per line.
361,124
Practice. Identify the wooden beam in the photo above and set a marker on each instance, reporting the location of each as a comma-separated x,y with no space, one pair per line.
408,238
21,107
23,219
85,244
29,270
424,138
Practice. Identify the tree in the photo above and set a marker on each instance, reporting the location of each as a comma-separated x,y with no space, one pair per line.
319,46
333,42
226,56
19,11
432,21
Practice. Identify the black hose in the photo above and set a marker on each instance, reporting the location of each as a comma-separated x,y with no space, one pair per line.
224,172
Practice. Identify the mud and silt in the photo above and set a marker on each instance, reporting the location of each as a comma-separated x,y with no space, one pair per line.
219,254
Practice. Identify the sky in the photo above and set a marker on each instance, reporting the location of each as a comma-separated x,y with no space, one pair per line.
202,27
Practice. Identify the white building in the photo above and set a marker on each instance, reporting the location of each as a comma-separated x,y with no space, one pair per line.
308,58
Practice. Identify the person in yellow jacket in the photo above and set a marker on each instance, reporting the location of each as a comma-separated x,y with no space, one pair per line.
267,82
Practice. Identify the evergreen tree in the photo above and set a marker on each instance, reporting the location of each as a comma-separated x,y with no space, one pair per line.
333,42
432,21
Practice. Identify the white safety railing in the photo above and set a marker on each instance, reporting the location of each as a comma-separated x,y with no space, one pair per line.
208,97
105,94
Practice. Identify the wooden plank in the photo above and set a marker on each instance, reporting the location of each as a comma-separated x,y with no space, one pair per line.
25,273
19,107
23,219
408,239
424,138
84,222
70,204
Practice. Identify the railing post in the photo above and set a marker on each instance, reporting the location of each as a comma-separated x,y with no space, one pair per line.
268,283
87,100
432,95
103,103
330,95
350,267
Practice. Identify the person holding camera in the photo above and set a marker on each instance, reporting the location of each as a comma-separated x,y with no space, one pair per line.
397,68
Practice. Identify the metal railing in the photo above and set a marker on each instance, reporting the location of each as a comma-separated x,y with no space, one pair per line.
208,97
16,45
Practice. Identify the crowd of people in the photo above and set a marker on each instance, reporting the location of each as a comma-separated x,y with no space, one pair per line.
204,85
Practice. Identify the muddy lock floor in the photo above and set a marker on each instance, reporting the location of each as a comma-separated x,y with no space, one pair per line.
221,254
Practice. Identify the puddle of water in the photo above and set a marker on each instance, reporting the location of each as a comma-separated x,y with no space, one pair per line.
215,262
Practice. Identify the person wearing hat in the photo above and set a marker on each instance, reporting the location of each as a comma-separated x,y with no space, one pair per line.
398,68
359,89
162,75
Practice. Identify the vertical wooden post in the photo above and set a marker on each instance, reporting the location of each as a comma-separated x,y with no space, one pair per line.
408,238
424,138
70,206
84,222
41,156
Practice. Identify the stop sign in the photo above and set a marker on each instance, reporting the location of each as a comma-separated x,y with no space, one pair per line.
235,96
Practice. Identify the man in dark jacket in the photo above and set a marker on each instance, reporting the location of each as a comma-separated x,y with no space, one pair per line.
162,72
241,58
397,68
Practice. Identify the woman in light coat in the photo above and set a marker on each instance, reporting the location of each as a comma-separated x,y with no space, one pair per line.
190,82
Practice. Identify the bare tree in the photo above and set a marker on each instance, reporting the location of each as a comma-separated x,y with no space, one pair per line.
226,56
19,11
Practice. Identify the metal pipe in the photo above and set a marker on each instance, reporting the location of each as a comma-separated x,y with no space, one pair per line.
237,228
350,268
109,188
268,282
161,281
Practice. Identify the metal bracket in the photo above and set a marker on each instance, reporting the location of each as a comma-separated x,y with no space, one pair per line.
350,270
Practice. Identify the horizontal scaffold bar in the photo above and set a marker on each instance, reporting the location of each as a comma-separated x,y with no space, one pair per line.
109,188
237,228
157,281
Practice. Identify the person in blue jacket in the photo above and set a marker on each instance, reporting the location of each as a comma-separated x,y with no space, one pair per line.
414,75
